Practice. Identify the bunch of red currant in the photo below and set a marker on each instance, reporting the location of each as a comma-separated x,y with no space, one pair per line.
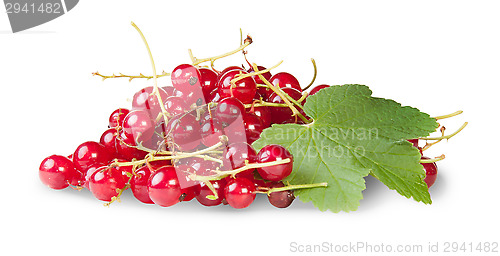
191,140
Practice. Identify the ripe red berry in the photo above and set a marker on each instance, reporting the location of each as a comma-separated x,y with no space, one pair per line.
264,113
146,100
163,186
138,125
253,127
186,78
316,89
89,153
108,140
116,118
229,109
271,153
57,172
430,172
284,80
106,182
208,81
205,191
139,185
239,193
283,115
244,90
235,155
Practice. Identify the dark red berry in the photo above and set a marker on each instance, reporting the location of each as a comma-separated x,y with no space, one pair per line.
430,172
316,89
281,199
283,115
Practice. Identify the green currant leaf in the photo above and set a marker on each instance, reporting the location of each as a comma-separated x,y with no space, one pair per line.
353,135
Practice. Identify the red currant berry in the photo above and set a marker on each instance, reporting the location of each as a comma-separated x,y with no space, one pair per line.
139,185
271,153
264,113
125,147
236,154
116,118
281,199
239,193
205,191
186,78
208,81
211,130
283,115
244,90
163,186
108,139
170,90
316,89
230,68
138,125
285,80
185,132
146,100
105,183
57,171
430,172
88,173
229,109
89,153
176,105
414,142
266,75
213,96
253,127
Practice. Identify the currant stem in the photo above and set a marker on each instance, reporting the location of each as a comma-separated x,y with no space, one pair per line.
130,77
447,136
314,76
222,174
433,160
456,113
155,77
294,187
428,145
282,95
196,61
255,73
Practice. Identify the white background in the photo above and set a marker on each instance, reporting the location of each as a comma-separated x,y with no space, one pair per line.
438,56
